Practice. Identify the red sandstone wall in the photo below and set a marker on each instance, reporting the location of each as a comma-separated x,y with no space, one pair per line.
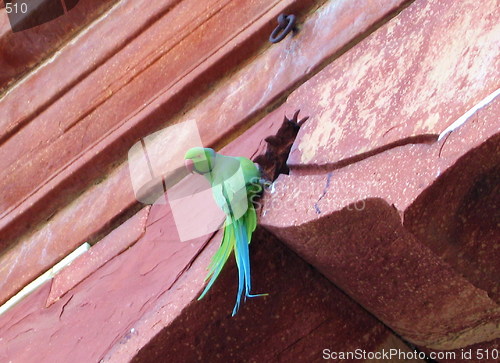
379,228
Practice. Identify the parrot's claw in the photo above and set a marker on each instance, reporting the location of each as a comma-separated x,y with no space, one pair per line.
264,182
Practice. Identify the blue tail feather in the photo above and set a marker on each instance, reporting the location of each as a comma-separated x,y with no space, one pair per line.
242,255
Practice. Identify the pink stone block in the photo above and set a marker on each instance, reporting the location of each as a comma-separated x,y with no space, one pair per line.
406,82
238,99
407,232
106,249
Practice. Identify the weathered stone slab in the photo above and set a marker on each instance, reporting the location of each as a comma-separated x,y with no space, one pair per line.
14,106
218,115
102,309
81,221
24,49
385,230
48,160
411,78
151,288
109,247
303,315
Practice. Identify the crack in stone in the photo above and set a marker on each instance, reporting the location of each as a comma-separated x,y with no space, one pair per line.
19,334
64,306
325,190
155,266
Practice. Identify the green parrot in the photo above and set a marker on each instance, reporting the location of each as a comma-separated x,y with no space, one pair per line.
235,182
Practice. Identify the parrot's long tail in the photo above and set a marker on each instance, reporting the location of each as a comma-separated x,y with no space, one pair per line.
243,233
237,236
220,257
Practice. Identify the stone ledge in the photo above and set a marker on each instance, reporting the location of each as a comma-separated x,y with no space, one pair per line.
407,82
109,247
277,327
348,223
238,99
99,311
148,294
23,50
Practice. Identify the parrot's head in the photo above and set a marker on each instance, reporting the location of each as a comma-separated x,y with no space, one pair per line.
199,160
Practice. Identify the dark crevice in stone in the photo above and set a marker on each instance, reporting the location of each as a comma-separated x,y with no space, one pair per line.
273,161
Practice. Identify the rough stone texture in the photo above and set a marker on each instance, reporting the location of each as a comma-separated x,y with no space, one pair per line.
101,310
282,66
150,289
382,266
356,239
324,34
366,220
291,324
411,78
89,136
22,50
457,216
40,250
75,66
112,245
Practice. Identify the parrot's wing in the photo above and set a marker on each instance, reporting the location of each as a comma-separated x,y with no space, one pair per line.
229,184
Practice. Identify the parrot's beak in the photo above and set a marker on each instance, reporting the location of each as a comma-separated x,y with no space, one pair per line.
189,165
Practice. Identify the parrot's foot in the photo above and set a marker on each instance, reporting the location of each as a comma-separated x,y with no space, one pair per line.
237,305
255,295
265,183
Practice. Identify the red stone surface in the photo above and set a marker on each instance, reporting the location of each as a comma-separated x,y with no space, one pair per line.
410,78
348,224
98,120
149,291
273,74
101,310
237,100
109,247
377,262
81,221
294,323
400,226
23,50
55,83
461,207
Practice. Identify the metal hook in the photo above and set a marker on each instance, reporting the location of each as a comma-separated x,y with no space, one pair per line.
286,23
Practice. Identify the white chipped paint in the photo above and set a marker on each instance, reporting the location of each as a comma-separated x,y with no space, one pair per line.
48,275
462,119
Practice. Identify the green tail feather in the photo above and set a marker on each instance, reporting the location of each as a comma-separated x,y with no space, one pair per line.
220,257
